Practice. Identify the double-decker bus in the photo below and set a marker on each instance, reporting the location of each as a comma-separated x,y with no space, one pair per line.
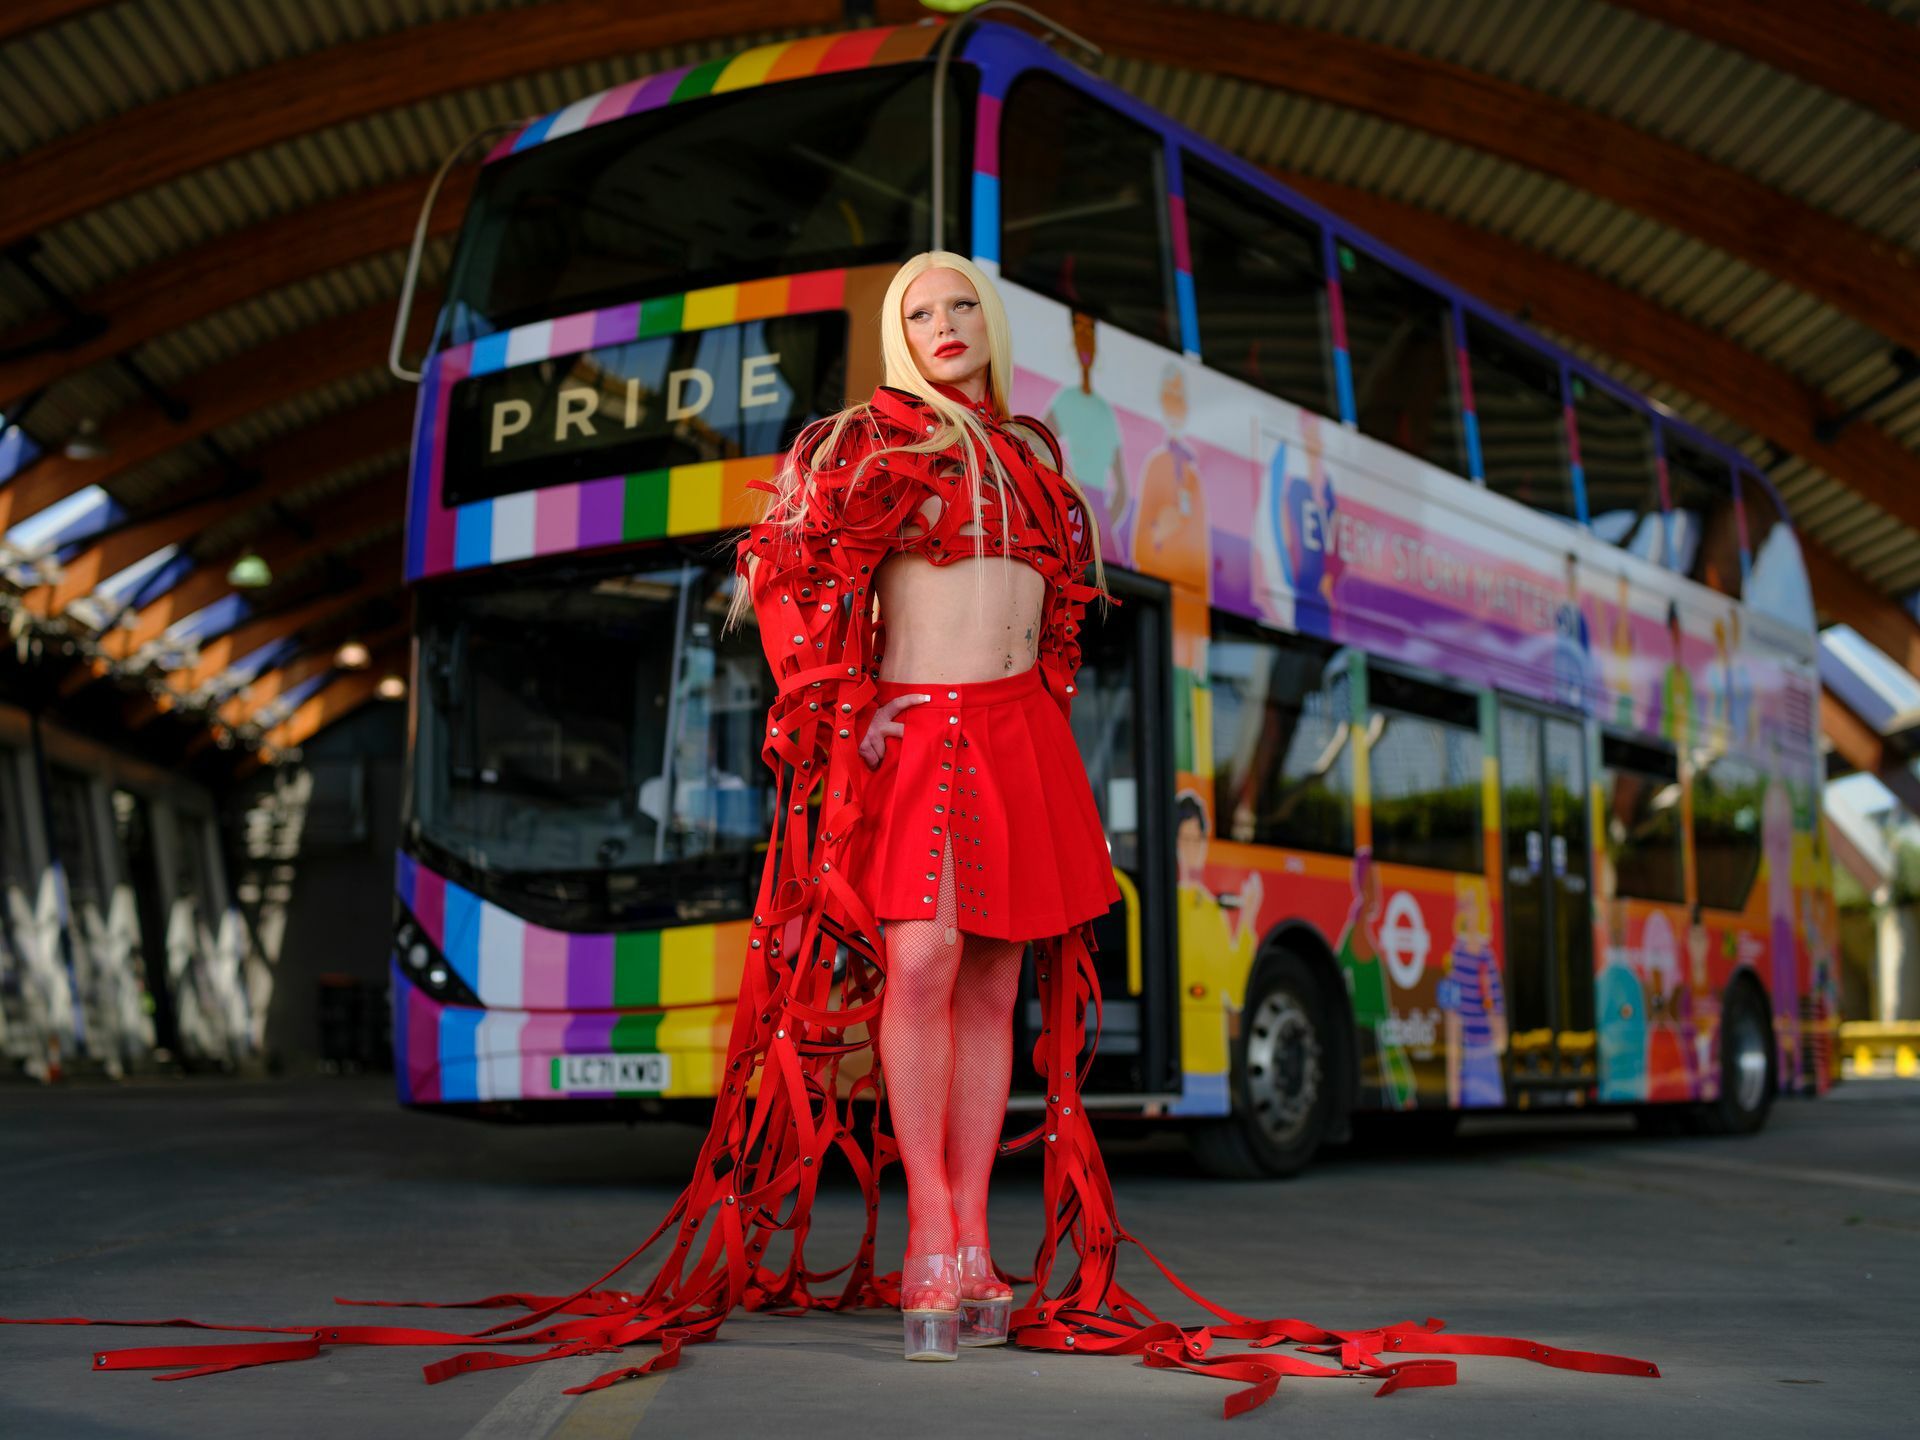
1455,741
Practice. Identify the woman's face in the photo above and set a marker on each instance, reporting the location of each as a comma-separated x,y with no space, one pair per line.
945,329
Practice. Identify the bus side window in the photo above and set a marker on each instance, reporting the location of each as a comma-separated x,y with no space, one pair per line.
1776,582
1259,287
1083,207
1283,771
1703,540
1521,415
1642,817
1406,390
1424,767
1727,799
1616,457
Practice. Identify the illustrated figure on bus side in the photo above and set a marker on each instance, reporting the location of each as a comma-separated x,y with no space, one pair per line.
1471,996
1675,716
1089,432
1214,951
1669,1045
1359,956
1170,534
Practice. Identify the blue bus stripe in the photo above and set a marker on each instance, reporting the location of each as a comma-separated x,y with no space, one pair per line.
459,1061
986,216
460,935
473,535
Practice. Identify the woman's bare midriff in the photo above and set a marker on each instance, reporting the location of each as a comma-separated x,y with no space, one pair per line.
939,630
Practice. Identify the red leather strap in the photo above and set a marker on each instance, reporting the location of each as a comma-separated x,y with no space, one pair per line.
779,1115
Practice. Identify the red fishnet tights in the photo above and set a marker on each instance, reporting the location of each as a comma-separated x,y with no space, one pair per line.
946,1050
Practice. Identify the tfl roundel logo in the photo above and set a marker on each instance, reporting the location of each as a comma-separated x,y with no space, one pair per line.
1404,940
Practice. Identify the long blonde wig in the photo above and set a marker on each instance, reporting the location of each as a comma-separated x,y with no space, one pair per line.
954,423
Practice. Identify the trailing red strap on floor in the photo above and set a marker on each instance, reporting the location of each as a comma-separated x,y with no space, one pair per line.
815,972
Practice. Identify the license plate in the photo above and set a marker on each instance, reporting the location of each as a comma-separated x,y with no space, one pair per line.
611,1072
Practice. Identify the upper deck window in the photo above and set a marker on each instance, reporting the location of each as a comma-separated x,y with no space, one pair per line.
1616,457
1083,206
779,179
1260,288
1523,432
1703,538
1400,339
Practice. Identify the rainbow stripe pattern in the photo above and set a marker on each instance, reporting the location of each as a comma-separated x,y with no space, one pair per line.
762,65
615,509
550,993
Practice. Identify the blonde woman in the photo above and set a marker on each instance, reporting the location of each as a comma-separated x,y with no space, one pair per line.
935,554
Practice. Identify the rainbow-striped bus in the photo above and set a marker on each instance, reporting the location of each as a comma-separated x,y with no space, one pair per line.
1455,745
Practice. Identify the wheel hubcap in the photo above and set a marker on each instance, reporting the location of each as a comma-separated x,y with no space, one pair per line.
1283,1067
1749,1042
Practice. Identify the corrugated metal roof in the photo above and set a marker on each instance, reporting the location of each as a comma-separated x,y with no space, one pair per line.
1716,102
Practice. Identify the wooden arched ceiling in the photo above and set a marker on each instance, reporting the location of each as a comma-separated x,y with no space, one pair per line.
1851,49
186,288
287,466
1862,488
161,141
250,381
23,17
1864,275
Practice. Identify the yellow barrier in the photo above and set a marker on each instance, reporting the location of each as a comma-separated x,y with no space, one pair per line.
1882,1048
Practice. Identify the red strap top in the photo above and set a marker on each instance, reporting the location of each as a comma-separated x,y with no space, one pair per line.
914,504
1037,520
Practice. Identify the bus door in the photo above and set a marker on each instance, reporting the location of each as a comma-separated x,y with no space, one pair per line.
1545,854
1122,721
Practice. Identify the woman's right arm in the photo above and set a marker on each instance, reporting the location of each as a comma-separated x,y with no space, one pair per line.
811,587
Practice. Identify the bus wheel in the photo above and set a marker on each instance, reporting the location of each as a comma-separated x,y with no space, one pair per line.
1747,1078
1282,1088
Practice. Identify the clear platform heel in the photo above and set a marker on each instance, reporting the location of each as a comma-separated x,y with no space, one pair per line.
931,1334
983,1318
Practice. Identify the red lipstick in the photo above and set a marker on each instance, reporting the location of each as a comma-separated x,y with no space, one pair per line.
952,347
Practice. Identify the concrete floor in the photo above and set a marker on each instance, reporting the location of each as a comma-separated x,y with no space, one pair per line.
1776,1280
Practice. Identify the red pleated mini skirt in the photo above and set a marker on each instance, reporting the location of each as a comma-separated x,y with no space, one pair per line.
990,768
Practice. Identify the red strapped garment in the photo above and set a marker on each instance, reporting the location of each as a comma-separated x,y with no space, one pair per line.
780,1114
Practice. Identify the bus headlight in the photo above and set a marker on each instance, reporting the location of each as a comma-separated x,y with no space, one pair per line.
426,966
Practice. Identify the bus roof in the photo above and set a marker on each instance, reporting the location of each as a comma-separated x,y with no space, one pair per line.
762,65
896,44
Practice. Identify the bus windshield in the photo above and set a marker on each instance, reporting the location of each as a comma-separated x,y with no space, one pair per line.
775,180
588,745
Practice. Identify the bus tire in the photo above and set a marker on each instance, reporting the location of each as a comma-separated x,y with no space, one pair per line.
1282,1082
1748,1078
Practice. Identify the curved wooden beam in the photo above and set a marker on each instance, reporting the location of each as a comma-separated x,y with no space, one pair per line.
268,686
1862,274
232,268
291,463
189,131
360,512
22,17
1865,749
1851,49
1844,596
219,395
382,574
1631,328
326,706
